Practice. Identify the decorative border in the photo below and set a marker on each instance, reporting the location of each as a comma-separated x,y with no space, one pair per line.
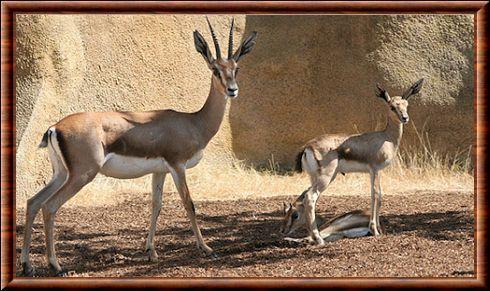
8,10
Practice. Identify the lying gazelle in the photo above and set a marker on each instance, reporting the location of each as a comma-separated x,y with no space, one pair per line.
128,145
351,224
327,155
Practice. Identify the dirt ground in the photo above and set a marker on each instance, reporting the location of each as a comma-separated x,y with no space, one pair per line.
427,234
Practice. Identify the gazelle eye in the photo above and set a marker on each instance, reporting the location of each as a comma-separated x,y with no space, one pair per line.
295,216
393,109
236,71
216,72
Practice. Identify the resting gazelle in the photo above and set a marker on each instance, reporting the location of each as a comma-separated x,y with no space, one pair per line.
327,155
128,145
351,224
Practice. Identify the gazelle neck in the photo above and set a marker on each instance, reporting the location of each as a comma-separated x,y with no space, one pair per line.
210,116
394,129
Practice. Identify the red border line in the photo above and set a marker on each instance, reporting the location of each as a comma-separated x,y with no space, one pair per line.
9,9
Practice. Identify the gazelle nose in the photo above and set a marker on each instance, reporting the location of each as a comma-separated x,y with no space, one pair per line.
232,90
405,119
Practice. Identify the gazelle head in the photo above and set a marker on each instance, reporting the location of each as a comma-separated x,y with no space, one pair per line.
399,104
224,70
294,215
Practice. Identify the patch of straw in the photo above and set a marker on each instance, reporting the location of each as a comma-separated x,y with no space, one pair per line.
419,168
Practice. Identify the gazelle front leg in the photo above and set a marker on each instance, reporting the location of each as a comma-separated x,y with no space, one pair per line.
156,205
178,175
375,203
377,187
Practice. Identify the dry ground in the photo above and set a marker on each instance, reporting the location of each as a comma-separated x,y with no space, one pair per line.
429,233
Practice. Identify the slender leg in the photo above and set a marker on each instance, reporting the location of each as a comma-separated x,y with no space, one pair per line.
33,206
74,184
156,205
375,203
377,187
178,175
326,176
35,203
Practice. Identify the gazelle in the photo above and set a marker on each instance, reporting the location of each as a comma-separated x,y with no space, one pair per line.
327,155
351,224
128,145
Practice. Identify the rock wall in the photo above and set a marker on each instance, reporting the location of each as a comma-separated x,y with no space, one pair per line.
307,75
316,74
71,63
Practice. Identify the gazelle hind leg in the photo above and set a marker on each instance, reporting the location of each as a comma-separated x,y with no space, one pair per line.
34,204
156,205
325,177
72,186
81,169
178,175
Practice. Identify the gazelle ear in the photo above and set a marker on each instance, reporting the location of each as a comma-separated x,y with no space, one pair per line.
202,47
301,198
381,93
414,89
286,207
245,47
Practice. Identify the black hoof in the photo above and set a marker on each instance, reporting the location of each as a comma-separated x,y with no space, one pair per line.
214,255
27,270
58,273
61,273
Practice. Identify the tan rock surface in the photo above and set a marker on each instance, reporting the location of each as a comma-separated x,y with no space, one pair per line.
307,75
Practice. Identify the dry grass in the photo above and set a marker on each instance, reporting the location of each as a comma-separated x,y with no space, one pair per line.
235,181
418,168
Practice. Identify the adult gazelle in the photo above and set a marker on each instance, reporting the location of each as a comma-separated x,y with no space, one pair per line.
128,145
327,155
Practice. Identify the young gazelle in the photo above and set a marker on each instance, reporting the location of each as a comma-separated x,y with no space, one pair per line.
351,224
128,145
327,155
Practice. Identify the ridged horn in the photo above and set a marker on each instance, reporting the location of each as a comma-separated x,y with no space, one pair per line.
230,41
215,40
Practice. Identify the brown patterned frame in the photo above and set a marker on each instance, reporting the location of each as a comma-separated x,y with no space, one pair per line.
9,9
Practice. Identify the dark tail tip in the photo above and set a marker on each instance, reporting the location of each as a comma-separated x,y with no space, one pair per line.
299,168
44,141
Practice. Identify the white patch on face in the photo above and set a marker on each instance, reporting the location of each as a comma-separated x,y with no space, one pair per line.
234,95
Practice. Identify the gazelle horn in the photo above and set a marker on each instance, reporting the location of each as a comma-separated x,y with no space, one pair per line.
215,40
230,41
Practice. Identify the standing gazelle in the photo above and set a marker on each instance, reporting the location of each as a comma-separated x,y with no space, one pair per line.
128,145
327,155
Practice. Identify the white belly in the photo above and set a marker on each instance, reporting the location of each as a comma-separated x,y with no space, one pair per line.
192,162
126,167
347,166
